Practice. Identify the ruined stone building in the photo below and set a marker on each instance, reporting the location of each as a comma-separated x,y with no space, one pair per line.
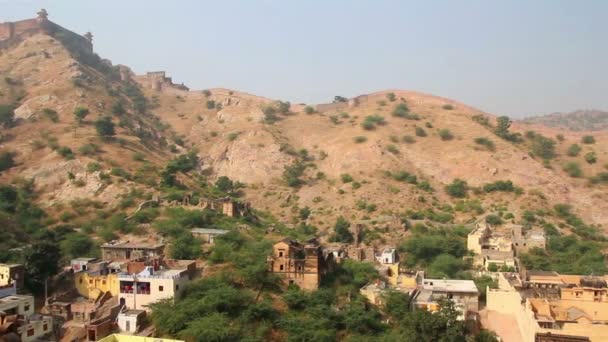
300,264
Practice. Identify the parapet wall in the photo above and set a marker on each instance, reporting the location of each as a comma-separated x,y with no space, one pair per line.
12,33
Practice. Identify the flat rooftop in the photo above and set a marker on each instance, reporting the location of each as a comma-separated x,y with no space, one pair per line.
132,312
449,285
209,231
164,273
15,298
133,245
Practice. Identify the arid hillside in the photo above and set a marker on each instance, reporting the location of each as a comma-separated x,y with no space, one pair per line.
380,154
580,120
235,140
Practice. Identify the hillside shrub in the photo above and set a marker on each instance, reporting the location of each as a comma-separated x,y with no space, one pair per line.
392,149
391,97
80,113
573,169
66,152
543,147
293,172
494,220
6,160
371,121
445,134
458,188
360,139
402,111
503,123
447,107
88,149
408,139
591,157
420,132
51,114
270,115
485,142
500,185
309,110
588,139
7,115
105,127
210,104
346,178
574,150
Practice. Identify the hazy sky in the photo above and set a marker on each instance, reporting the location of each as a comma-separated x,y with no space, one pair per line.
506,57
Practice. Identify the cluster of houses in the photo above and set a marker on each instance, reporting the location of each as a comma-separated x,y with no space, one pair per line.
527,306
111,294
18,318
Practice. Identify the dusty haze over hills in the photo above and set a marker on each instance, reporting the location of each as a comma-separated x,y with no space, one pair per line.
471,52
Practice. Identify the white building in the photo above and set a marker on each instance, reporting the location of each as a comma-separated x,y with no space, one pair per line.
130,321
137,291
388,256
31,327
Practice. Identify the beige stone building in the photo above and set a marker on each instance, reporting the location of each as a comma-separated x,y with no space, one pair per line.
573,317
463,293
125,250
300,264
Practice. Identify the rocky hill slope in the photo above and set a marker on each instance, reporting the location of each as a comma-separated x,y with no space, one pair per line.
355,159
580,120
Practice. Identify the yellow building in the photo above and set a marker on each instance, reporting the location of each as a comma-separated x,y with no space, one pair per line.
92,286
132,338
11,273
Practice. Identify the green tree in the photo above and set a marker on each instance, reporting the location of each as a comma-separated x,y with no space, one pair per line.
80,113
77,245
41,261
105,127
342,231
185,247
215,327
486,336
503,123
396,304
224,184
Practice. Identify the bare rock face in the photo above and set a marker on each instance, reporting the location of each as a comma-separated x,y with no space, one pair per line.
23,112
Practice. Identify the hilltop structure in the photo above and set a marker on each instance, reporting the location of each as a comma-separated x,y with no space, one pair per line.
12,33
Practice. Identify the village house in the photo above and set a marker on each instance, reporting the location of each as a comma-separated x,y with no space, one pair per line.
500,245
207,235
571,318
125,250
141,287
463,293
17,317
134,338
300,264
12,274
130,321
